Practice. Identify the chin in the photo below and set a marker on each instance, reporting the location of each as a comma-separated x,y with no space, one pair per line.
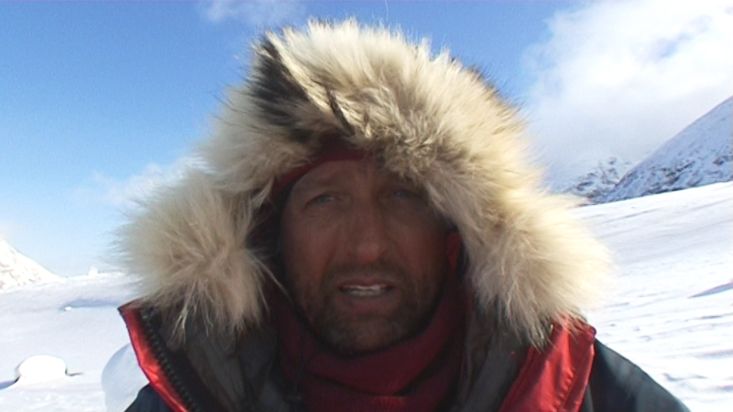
364,338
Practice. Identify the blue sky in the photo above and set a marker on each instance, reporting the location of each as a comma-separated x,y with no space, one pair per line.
99,101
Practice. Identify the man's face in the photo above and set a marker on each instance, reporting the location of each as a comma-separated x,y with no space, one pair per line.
364,255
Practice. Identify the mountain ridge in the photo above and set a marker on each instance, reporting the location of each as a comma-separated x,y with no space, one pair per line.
700,154
17,269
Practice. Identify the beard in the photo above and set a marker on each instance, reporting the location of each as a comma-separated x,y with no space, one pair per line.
410,306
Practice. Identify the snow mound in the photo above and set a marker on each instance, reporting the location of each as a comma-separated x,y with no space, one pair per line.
121,380
699,155
18,270
40,368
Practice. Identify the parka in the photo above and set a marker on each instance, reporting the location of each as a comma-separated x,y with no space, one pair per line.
201,328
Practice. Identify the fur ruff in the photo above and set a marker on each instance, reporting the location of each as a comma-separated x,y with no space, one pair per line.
429,118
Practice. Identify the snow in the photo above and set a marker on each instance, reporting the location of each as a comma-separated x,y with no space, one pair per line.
700,154
671,311
600,180
75,321
18,270
121,380
40,368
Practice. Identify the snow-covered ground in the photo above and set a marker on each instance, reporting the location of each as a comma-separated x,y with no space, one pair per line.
76,321
671,311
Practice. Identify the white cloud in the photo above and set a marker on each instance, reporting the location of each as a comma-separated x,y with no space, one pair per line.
126,193
255,13
618,78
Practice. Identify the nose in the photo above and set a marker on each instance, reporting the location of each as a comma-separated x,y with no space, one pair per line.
368,233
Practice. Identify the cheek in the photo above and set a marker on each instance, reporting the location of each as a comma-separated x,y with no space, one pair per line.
304,257
425,256
425,242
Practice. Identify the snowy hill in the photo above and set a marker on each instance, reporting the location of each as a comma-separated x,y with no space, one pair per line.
18,270
599,181
671,310
700,154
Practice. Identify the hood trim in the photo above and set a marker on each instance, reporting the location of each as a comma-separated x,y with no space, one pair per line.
430,120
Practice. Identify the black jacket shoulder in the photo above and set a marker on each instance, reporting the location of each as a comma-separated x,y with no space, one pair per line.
148,401
617,384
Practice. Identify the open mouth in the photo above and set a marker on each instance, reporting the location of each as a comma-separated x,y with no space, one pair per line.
363,291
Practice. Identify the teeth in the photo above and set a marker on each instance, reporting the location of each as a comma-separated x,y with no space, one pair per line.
364,291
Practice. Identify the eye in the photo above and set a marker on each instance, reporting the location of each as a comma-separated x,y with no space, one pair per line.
321,199
407,194
403,193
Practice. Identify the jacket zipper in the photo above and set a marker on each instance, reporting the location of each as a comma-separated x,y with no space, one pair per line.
161,355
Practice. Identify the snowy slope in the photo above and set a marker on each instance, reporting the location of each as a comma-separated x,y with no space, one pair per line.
672,309
700,154
17,269
671,312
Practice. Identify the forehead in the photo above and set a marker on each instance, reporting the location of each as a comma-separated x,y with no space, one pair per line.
345,172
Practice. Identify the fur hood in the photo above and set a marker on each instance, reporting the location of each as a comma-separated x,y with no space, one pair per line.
428,117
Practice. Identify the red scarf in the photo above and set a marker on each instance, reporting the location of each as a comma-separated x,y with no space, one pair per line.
415,375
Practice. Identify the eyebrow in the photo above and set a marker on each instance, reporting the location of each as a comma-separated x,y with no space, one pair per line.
310,183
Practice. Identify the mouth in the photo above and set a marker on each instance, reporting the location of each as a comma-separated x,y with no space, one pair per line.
367,296
365,291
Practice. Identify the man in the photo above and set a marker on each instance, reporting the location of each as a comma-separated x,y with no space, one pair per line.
364,235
